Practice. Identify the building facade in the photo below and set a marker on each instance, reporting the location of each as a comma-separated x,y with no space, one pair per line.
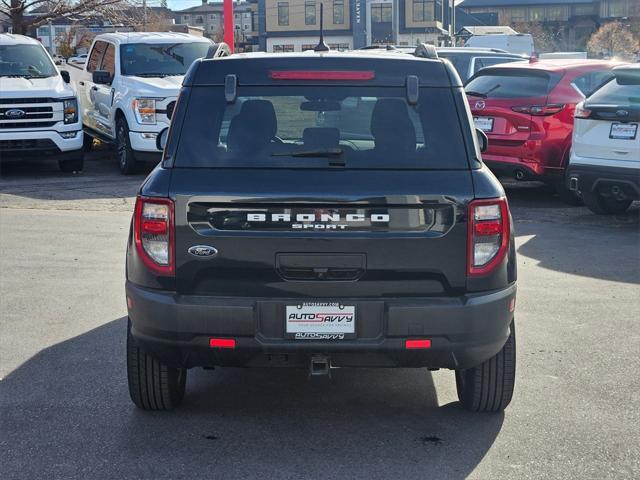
294,25
209,17
573,20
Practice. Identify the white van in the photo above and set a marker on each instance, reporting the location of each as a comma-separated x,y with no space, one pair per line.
521,43
38,108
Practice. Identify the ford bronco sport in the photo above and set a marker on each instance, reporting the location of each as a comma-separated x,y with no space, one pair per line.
322,210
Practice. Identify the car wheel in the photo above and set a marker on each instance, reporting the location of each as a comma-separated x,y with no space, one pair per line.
72,165
489,386
152,384
87,143
126,158
605,205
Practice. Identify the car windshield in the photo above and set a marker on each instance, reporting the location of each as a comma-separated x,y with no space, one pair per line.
318,127
612,93
28,61
160,59
511,83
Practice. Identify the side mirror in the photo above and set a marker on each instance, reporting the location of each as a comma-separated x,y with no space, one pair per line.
101,77
483,139
65,76
161,139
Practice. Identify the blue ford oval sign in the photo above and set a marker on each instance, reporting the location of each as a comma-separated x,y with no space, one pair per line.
203,251
14,113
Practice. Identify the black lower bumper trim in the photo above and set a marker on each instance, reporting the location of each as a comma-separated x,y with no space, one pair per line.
601,179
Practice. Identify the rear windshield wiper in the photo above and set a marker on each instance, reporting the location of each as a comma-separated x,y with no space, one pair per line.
329,152
485,94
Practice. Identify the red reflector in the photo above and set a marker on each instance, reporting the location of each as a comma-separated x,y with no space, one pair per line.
414,344
222,342
156,227
488,228
321,75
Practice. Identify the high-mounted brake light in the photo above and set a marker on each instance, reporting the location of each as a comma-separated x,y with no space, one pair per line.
581,112
154,235
488,235
539,110
322,75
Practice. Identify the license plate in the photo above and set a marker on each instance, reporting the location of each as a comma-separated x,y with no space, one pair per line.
623,131
484,123
320,321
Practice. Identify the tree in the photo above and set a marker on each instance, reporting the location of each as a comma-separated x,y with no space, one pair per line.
545,38
26,14
613,39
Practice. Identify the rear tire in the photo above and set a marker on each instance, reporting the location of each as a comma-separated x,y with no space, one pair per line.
72,165
87,143
605,205
152,384
126,159
489,386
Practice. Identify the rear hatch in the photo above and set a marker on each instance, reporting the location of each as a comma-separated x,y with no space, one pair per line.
608,126
321,191
504,102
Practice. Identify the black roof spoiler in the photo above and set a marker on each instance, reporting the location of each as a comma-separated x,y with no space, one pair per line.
218,50
424,50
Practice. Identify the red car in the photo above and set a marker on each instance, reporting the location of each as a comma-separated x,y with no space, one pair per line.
526,110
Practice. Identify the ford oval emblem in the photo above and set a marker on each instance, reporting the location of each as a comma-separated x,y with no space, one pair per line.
203,251
480,104
622,113
15,113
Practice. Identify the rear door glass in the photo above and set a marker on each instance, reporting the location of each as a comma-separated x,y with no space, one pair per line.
512,83
304,127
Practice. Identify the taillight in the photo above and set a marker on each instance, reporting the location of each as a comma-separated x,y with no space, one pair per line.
539,110
154,235
488,235
581,112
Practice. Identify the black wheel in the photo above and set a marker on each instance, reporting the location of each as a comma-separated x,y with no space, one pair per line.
152,384
87,143
489,386
605,205
126,158
72,165
568,196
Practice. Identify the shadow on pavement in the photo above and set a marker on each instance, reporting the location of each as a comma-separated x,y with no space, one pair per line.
66,414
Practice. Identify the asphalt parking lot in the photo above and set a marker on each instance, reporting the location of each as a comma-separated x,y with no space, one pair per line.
65,410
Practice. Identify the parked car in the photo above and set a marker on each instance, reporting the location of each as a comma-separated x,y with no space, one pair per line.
129,86
58,59
468,61
526,109
321,210
78,59
605,156
520,43
38,109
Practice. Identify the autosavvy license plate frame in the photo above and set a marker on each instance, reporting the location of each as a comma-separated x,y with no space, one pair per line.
618,136
323,321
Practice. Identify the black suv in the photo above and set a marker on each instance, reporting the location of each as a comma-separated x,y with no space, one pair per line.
322,210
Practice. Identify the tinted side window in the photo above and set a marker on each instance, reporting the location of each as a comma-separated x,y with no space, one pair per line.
590,82
512,83
109,60
482,62
96,56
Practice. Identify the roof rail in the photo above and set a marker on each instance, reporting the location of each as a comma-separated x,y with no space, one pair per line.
424,50
218,50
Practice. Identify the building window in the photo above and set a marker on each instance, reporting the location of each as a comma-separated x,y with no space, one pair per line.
60,30
583,10
309,13
518,14
199,20
536,14
555,13
616,8
339,46
422,10
283,14
43,31
338,12
282,48
380,12
307,46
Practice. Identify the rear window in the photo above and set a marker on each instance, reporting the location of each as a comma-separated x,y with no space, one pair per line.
614,94
512,83
321,127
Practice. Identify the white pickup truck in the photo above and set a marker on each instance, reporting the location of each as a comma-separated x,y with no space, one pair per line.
129,86
38,108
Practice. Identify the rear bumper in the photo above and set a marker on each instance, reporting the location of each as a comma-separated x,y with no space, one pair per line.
464,331
602,178
525,161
